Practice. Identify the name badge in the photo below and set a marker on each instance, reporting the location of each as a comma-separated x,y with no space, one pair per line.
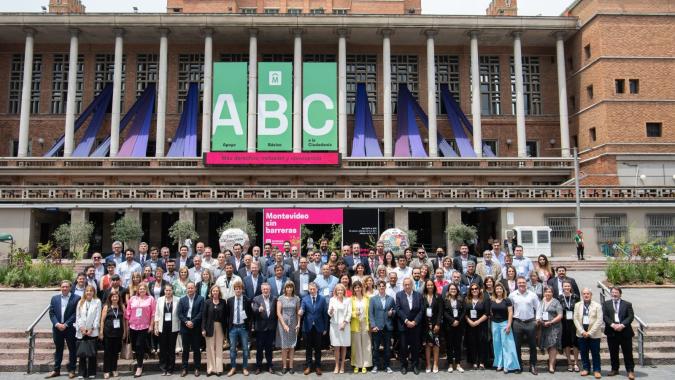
586,320
569,315
544,315
428,312
139,312
167,317
116,323
455,313
326,292
473,314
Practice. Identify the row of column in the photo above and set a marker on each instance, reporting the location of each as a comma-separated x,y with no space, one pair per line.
297,88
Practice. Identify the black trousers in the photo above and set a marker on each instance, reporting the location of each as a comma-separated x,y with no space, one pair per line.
61,339
624,342
381,338
111,353
525,333
192,342
87,366
410,346
167,350
580,252
264,345
477,344
453,344
139,343
312,340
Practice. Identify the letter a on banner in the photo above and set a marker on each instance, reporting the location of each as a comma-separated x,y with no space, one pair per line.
319,106
275,89
230,107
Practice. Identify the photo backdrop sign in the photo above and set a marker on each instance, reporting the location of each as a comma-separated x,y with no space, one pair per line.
275,106
230,107
319,107
361,226
284,224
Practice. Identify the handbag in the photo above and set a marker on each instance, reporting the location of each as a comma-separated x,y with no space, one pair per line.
86,348
127,352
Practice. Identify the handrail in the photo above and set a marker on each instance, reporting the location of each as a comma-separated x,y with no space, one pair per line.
642,325
31,339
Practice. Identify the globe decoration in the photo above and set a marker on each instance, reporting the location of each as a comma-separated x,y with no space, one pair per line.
395,240
231,236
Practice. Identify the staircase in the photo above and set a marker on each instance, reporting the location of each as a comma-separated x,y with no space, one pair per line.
598,264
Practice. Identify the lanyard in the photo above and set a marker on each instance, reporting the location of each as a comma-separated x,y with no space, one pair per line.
168,306
115,312
568,302
474,304
587,309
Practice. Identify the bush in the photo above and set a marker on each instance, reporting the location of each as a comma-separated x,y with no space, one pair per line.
37,275
622,271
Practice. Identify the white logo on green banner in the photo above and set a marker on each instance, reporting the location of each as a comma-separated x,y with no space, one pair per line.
275,89
230,108
319,106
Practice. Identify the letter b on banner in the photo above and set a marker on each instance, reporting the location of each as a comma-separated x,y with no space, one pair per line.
275,104
319,106
230,108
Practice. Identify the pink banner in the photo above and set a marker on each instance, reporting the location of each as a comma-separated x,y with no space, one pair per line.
271,158
281,224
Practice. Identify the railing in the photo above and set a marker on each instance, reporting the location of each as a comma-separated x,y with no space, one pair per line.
642,325
31,339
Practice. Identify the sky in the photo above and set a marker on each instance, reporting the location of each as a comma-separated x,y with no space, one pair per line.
460,7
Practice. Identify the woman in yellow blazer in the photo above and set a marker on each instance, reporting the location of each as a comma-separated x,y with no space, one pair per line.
588,322
361,351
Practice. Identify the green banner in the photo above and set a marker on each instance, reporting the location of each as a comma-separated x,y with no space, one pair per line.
230,107
319,107
275,106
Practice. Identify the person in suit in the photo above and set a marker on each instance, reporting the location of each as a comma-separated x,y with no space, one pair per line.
381,313
471,277
213,325
278,260
154,261
237,258
183,260
354,257
314,310
253,282
277,281
453,326
87,326
618,317
245,270
556,283
410,313
588,321
157,286
115,284
361,356
460,263
264,308
302,277
190,316
433,314
62,313
293,261
116,254
142,256
238,315
166,329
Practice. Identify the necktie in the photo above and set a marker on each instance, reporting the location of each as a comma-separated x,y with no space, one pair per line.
237,318
313,300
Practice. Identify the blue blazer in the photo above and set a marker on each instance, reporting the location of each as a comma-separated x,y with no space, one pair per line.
349,260
314,315
196,317
273,285
404,312
248,286
68,316
378,316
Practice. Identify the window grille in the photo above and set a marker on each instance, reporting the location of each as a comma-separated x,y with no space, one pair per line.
147,71
190,70
362,69
404,70
562,227
104,71
661,226
531,86
447,72
490,86
611,228
16,83
60,83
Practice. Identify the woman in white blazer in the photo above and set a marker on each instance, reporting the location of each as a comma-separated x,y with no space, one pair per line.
167,326
87,321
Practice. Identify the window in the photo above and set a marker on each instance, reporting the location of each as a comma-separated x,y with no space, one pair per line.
620,86
271,11
316,11
634,86
319,58
490,86
177,10
562,227
362,69
542,237
526,237
573,104
249,11
654,129
340,11
190,70
16,83
532,148
147,71
570,64
234,57
492,144
592,134
660,226
589,91
60,83
531,86
447,72
587,51
277,58
404,70
611,228
104,71
294,11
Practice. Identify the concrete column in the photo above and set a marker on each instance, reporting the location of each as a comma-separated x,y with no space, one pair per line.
475,96
117,94
453,216
79,215
562,96
161,92
431,93
401,218
521,135
386,84
24,121
135,214
69,138
208,81
252,89
187,215
297,90
240,214
342,92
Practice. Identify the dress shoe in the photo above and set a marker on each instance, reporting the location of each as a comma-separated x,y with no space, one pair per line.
183,373
257,371
533,370
196,373
307,371
613,373
271,371
53,374
71,375
631,375
597,374
232,372
245,372
318,371
416,370
404,371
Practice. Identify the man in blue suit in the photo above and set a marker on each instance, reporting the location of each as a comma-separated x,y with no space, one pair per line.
352,256
314,325
253,282
381,313
190,316
62,312
277,281
409,312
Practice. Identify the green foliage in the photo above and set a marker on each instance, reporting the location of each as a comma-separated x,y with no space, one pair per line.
182,230
460,233
412,237
305,233
244,225
74,237
335,240
646,263
22,272
126,229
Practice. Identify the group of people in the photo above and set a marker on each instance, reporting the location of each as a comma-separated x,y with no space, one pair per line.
374,307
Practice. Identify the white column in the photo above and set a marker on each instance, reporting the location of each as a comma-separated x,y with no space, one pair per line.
24,120
386,81
521,136
342,92
208,81
252,88
297,91
117,94
562,96
161,92
475,96
72,90
431,93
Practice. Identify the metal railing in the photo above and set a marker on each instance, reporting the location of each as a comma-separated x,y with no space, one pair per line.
642,325
31,339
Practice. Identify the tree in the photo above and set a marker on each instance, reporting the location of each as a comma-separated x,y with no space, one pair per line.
126,229
182,230
460,233
74,237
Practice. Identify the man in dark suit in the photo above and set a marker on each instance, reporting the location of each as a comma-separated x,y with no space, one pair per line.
314,325
278,260
115,284
264,308
293,262
277,281
62,313
142,256
352,256
302,277
239,315
409,312
183,260
245,270
561,276
253,282
618,317
237,258
381,312
460,263
190,316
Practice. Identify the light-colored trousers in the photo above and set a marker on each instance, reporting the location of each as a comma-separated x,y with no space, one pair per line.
504,347
214,350
362,355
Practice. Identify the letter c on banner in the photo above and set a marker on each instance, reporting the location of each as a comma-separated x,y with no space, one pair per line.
233,121
264,113
328,124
